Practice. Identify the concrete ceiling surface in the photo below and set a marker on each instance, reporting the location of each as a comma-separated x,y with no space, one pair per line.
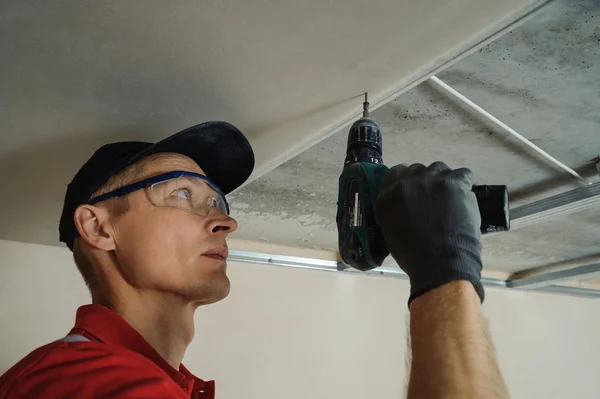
541,79
76,75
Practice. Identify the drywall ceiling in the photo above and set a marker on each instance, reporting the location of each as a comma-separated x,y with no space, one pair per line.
76,75
541,79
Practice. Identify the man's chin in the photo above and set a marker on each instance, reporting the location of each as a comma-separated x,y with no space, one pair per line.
221,291
214,291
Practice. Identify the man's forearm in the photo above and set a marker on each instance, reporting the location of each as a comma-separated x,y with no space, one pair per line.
452,353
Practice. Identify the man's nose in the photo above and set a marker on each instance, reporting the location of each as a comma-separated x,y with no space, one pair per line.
222,224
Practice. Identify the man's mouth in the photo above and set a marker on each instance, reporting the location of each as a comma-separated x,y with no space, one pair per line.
219,253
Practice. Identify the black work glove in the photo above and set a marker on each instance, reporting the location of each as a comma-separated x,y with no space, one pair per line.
431,223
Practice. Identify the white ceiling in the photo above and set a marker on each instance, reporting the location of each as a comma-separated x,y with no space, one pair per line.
76,75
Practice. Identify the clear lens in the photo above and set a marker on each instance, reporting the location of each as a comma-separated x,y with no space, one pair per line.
192,194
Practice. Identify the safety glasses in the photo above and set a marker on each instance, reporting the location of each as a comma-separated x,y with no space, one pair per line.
191,192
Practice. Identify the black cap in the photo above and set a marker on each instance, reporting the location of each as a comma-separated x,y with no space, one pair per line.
219,148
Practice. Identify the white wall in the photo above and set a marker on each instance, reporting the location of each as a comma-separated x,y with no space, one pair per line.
286,333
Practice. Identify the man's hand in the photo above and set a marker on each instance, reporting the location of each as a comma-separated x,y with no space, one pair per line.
430,220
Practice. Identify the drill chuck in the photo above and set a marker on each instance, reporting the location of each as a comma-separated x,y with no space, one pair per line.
364,142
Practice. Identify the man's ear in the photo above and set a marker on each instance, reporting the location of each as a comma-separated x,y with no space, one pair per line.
94,227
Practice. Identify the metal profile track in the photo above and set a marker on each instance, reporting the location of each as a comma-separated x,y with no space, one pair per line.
339,267
498,124
538,280
568,202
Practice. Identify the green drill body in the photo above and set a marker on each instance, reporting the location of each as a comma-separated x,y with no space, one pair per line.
360,239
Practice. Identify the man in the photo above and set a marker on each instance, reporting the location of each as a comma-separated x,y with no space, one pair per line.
147,224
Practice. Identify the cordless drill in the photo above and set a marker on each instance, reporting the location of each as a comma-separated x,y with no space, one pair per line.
360,239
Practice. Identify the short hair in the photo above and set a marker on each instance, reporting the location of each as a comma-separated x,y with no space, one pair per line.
116,206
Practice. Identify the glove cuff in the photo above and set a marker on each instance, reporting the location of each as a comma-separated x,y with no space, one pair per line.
461,260
416,292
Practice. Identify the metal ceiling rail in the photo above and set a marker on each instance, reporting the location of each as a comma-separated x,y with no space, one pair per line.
442,86
545,278
561,204
339,267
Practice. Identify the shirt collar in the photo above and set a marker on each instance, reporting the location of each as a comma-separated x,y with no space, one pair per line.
108,327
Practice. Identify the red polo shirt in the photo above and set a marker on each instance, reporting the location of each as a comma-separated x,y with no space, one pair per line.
117,363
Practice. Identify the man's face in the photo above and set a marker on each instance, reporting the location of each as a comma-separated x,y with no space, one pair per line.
164,249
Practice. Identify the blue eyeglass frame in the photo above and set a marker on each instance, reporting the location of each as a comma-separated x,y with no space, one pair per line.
120,192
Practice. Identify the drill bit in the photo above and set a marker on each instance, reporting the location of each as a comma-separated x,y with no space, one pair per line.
366,107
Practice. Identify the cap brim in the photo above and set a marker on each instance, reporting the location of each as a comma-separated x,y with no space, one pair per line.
219,148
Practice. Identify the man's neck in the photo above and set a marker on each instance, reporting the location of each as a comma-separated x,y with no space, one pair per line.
165,322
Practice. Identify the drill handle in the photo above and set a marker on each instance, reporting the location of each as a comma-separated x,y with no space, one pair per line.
493,208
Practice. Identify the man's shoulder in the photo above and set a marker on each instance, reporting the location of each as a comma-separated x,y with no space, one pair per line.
67,355
79,369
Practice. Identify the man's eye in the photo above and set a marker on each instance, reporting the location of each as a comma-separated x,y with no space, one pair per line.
183,193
